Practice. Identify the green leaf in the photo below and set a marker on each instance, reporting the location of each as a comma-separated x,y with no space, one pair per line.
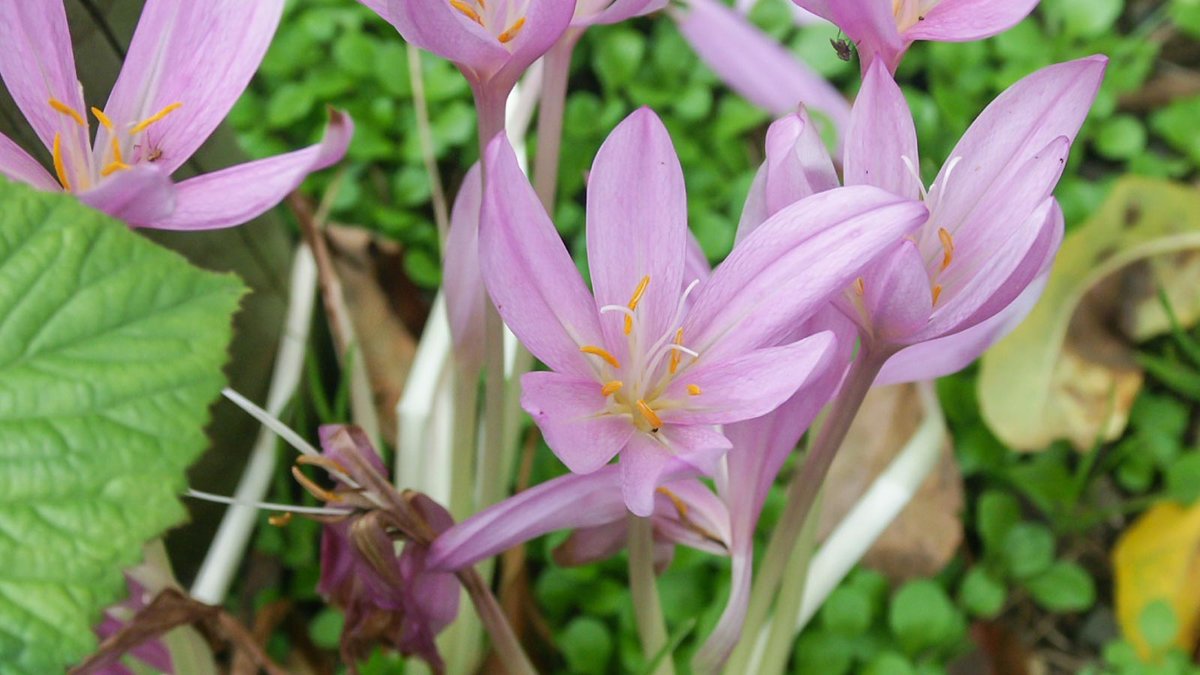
1183,478
110,353
1064,587
619,53
1121,137
1028,549
586,645
847,611
982,594
889,663
1158,624
922,616
996,514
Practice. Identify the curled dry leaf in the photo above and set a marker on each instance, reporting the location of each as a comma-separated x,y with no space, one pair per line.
1067,372
928,531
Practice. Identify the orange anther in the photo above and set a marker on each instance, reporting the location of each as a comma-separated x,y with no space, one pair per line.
611,388
602,353
948,245
675,353
156,117
860,287
60,166
694,390
467,11
102,118
281,520
511,34
68,111
937,293
651,416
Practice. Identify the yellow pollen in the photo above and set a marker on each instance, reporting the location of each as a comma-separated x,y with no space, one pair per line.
602,353
60,166
694,390
612,387
511,34
467,11
280,520
633,302
114,167
68,111
948,245
679,504
650,415
102,118
156,117
675,353
860,287
116,146
937,293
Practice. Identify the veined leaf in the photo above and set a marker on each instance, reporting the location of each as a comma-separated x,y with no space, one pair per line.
110,353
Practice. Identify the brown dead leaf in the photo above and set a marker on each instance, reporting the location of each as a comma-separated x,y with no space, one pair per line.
386,308
927,533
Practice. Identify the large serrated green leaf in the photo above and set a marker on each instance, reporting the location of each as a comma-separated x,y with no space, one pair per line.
110,354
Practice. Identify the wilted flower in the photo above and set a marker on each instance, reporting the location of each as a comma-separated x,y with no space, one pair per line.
387,599
187,64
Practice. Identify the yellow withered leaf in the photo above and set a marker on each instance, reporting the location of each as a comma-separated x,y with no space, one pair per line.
1158,559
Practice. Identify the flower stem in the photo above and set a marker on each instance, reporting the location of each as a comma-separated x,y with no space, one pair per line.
555,73
441,213
802,493
490,107
504,640
791,595
647,609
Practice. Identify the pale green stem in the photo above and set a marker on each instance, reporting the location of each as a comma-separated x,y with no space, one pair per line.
504,641
441,214
801,493
462,438
647,609
490,106
791,595
556,71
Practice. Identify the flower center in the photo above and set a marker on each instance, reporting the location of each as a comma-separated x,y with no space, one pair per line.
636,389
112,158
478,11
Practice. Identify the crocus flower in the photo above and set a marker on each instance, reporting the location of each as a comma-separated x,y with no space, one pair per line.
993,229
685,512
636,370
187,64
885,29
399,601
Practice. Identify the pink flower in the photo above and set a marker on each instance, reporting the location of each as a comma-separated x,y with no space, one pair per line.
637,371
187,64
886,28
943,295
597,12
491,41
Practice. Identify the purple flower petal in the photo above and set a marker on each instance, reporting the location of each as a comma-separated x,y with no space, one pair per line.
466,298
637,226
16,164
241,193
881,137
37,66
750,386
199,54
531,278
570,413
142,194
566,502
789,267
673,453
969,20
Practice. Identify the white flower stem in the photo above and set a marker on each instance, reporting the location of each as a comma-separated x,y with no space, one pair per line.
229,544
